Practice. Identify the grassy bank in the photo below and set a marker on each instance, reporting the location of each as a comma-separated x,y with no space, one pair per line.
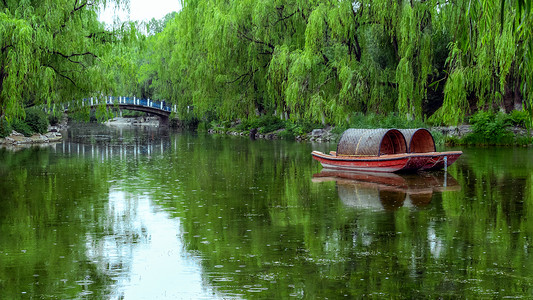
484,128
496,129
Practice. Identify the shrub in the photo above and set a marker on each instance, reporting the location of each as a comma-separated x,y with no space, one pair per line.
202,127
246,125
53,119
372,120
55,116
287,134
438,137
37,120
126,113
520,118
264,124
489,128
5,128
22,127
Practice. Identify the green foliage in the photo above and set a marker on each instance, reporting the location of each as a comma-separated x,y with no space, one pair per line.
22,127
190,122
37,120
269,124
202,127
5,128
372,120
320,62
126,113
310,61
489,128
520,118
54,118
438,137
50,51
299,128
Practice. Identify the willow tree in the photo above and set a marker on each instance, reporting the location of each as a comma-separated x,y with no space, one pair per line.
322,61
49,52
319,61
489,64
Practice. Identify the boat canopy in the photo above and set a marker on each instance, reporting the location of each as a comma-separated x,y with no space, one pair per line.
371,142
419,140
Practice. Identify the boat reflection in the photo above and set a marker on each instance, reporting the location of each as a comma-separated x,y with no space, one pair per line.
389,191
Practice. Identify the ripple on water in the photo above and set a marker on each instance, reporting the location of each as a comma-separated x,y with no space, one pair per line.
223,279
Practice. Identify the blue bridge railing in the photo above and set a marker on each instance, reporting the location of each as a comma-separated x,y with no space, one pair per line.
161,105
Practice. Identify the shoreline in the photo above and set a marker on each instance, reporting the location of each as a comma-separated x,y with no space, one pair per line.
18,139
326,134
319,135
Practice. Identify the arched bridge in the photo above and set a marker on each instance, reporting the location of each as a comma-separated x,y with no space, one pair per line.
158,108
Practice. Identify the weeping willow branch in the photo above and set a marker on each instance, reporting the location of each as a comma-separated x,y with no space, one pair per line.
62,75
69,57
248,74
6,47
244,36
71,13
281,9
75,54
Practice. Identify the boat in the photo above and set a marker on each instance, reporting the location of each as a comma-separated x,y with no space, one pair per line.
371,150
385,163
424,155
386,150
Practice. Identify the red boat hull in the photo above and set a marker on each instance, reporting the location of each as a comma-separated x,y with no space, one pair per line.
388,163
438,160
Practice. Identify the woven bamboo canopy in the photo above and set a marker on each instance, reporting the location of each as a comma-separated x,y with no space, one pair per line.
419,140
371,142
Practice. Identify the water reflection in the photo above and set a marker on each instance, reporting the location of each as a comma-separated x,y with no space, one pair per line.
112,151
387,191
142,251
135,215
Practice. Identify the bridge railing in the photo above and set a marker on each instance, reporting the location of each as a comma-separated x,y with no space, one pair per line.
110,100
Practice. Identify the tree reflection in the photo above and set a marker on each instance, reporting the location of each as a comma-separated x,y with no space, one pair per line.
247,219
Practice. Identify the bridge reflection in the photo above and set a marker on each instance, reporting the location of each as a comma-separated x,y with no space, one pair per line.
105,151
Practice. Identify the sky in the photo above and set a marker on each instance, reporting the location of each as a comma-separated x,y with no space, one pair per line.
141,10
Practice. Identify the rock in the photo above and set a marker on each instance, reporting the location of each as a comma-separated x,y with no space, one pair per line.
458,131
18,139
317,132
39,138
53,136
253,133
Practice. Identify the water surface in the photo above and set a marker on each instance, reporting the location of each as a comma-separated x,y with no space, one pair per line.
145,214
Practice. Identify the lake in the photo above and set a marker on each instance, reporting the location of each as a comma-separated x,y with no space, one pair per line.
145,213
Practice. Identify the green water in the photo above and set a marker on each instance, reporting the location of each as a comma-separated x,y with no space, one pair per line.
147,214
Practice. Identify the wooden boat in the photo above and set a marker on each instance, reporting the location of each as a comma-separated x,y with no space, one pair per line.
371,150
386,150
385,163
432,160
424,155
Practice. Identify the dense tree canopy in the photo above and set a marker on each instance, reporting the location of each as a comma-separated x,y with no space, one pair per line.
50,52
319,61
324,60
